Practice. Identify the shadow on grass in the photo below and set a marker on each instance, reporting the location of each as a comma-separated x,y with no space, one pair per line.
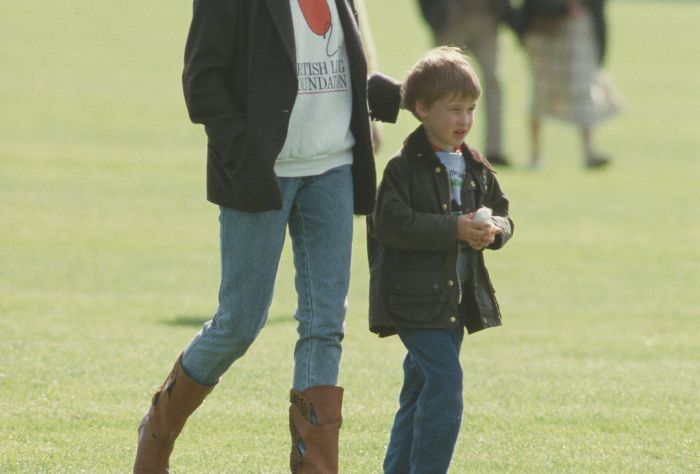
197,321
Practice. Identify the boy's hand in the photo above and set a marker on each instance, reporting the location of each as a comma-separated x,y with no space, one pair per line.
478,235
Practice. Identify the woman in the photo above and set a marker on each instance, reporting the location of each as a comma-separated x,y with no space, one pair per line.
565,41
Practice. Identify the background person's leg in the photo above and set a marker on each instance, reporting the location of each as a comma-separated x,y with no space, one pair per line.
485,50
475,30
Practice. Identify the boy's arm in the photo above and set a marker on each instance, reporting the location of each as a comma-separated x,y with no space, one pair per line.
396,224
497,200
208,56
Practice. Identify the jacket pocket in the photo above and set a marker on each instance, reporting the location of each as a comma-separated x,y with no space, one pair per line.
417,296
226,140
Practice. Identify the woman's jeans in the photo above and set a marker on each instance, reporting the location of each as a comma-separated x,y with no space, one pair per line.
427,423
318,211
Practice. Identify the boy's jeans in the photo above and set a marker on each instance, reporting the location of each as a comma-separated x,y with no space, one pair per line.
318,210
427,423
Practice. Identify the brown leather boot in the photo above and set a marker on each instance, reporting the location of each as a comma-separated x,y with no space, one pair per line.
314,422
172,404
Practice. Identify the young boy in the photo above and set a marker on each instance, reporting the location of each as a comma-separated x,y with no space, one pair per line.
428,279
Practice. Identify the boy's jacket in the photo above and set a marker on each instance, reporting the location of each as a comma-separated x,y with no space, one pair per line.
413,247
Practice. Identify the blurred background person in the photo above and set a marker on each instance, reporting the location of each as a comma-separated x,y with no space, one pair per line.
565,41
473,25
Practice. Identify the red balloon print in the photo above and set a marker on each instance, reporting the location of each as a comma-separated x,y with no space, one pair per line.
317,15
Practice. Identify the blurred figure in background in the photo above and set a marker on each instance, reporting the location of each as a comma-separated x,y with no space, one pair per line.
565,41
473,25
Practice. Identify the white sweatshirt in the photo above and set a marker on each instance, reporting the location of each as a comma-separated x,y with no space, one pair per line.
319,136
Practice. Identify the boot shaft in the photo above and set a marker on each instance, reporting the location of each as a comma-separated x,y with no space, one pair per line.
171,405
315,419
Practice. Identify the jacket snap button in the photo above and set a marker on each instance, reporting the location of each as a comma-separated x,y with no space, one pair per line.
472,184
450,283
453,319
444,206
437,169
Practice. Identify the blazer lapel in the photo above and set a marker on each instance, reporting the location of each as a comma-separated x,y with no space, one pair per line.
353,43
281,14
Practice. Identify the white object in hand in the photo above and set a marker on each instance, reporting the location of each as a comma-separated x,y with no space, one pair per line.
483,214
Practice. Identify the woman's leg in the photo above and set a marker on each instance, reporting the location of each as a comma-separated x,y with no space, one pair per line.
320,226
251,245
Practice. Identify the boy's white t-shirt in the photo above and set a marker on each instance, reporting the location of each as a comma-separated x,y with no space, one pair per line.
456,170
319,136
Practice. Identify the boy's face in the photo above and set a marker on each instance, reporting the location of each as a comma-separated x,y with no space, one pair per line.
447,121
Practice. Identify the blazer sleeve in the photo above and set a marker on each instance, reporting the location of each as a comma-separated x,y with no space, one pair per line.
396,224
209,58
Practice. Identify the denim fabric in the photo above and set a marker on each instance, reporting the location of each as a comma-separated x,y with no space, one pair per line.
427,423
317,210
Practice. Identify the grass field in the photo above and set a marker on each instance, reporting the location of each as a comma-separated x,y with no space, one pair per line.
109,262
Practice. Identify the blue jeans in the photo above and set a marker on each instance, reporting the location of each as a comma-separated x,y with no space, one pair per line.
318,211
427,423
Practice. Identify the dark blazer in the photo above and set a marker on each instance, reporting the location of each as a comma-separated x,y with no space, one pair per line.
240,81
412,243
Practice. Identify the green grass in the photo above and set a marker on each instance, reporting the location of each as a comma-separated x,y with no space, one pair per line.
109,262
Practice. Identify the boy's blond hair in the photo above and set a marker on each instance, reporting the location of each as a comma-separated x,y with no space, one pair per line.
442,72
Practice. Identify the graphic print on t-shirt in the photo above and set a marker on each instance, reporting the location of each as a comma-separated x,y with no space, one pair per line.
322,61
456,171
318,17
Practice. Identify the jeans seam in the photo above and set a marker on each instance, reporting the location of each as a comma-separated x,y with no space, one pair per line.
309,291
